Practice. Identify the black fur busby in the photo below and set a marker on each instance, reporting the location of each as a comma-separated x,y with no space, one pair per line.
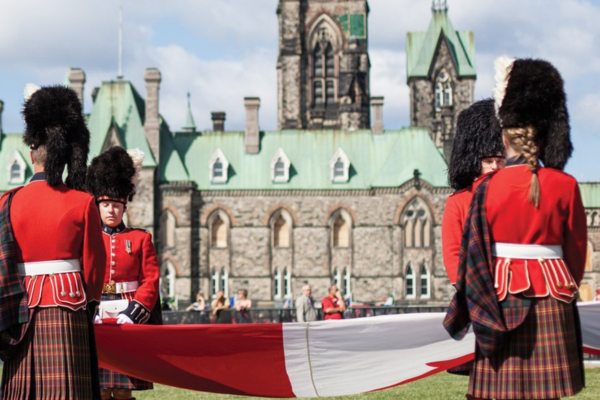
530,92
113,174
478,135
54,118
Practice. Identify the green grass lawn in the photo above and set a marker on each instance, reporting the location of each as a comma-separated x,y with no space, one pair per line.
442,386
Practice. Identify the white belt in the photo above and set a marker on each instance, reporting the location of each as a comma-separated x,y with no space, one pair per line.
49,267
526,251
121,287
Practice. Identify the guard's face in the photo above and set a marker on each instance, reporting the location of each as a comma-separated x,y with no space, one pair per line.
489,164
111,212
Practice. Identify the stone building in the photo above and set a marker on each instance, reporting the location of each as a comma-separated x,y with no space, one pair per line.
331,196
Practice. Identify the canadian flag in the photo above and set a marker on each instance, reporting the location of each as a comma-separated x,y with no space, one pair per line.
324,358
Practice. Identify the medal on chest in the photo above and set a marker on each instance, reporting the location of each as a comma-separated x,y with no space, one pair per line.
128,246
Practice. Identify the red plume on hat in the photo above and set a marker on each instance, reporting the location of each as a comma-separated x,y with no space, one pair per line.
54,119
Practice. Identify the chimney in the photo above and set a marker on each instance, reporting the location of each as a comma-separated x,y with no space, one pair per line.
152,123
218,119
377,105
1,109
95,94
76,81
251,136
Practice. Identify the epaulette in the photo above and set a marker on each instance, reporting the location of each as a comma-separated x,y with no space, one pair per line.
138,229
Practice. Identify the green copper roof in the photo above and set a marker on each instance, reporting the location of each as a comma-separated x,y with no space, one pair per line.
172,168
119,105
386,160
590,194
11,148
421,47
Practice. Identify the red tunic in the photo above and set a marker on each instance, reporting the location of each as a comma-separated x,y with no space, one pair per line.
330,302
453,223
58,224
559,220
131,257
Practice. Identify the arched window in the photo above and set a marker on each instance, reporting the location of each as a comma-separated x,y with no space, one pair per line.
280,167
219,226
323,73
287,283
277,284
589,266
167,226
409,286
347,287
16,167
417,224
281,232
447,94
341,227
424,282
214,282
224,282
15,171
439,96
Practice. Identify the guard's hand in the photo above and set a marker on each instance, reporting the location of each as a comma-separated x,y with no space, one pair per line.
124,319
97,320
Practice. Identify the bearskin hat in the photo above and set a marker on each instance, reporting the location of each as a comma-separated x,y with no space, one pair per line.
478,135
530,92
54,118
113,174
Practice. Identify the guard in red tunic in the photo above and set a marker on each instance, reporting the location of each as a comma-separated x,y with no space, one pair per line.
537,240
477,150
130,291
59,253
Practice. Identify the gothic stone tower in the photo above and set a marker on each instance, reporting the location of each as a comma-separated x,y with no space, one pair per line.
323,64
441,76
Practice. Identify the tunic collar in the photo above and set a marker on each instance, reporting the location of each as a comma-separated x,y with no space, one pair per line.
112,230
38,176
517,160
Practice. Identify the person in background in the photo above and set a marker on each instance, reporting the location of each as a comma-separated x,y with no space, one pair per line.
242,305
199,304
132,273
219,304
52,250
333,304
305,307
477,150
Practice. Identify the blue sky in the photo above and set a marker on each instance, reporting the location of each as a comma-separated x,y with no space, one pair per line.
223,50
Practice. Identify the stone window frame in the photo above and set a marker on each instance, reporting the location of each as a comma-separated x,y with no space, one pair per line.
224,217
287,283
286,216
218,155
16,159
168,225
338,214
280,156
277,284
424,274
416,221
224,282
336,278
443,90
214,282
339,155
170,275
410,276
324,31
589,257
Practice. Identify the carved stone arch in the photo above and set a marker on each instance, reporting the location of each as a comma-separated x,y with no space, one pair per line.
324,20
331,213
416,221
219,226
168,257
173,211
409,197
340,224
276,208
209,212
281,224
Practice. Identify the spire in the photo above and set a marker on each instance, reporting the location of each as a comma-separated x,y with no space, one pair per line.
439,5
189,125
120,70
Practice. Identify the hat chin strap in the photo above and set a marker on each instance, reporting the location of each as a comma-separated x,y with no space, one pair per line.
109,198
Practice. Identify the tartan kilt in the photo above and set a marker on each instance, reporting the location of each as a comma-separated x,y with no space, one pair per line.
114,380
55,360
541,359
